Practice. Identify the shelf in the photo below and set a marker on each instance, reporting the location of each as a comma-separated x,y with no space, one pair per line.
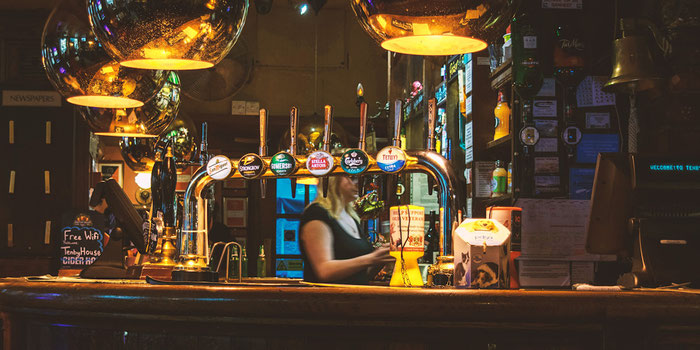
502,200
502,75
502,142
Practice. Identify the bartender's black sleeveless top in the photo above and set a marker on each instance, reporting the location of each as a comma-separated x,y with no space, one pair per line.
344,245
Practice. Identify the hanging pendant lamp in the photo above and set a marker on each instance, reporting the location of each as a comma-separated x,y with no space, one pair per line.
434,27
149,120
80,69
168,34
139,152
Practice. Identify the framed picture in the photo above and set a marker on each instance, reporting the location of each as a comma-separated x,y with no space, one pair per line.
111,170
235,211
235,183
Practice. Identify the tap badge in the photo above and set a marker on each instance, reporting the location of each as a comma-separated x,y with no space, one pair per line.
320,163
354,161
391,159
251,166
283,164
219,167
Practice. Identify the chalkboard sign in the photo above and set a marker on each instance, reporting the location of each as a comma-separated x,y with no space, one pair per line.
82,241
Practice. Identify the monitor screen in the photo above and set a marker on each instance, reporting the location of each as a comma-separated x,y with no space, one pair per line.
611,206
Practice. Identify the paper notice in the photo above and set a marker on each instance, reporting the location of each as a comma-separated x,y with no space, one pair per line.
482,178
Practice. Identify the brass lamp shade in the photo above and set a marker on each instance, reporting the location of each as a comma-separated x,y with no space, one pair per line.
149,120
633,67
168,34
80,69
435,27
139,152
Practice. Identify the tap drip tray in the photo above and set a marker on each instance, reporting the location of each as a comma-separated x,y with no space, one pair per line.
254,283
195,276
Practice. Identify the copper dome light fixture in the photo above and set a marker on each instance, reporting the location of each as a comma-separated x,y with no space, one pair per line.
435,27
168,34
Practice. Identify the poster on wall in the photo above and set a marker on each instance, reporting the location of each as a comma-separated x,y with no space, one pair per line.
235,211
111,170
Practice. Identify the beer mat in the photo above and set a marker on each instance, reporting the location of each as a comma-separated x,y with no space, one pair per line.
154,281
63,279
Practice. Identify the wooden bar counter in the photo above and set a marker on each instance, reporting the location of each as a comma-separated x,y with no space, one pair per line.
137,315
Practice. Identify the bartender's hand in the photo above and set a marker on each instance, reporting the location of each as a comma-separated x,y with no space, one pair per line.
381,255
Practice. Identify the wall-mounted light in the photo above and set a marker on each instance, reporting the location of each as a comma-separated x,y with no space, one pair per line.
149,120
143,180
434,28
80,69
168,34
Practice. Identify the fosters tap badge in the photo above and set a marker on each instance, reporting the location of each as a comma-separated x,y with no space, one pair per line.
319,163
251,166
391,159
354,161
219,167
283,164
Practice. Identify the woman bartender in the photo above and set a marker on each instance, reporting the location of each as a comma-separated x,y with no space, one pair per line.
333,246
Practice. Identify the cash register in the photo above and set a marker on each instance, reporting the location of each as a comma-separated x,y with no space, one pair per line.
647,209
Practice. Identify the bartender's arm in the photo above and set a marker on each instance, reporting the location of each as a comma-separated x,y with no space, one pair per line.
317,239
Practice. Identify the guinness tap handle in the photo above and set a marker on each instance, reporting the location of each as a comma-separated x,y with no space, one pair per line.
293,117
432,106
397,123
327,127
363,125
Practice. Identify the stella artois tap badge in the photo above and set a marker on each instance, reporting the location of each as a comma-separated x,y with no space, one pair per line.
320,163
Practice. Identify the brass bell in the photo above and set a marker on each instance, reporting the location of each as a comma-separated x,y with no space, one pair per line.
633,68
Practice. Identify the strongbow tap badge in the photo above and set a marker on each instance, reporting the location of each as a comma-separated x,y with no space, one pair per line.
251,166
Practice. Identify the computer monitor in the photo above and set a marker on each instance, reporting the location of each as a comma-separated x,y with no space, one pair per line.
110,264
611,206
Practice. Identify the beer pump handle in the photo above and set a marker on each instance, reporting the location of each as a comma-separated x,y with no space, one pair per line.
432,110
327,127
363,125
397,123
203,148
263,146
293,118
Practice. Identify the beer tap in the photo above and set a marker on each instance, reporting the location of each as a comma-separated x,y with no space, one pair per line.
432,110
263,146
327,129
203,148
283,163
355,161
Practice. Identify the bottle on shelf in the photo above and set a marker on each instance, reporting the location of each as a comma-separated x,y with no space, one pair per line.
510,177
156,202
499,181
502,117
527,76
431,240
262,265
233,263
168,180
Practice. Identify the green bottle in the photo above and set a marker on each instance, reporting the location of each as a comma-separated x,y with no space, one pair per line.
245,264
262,266
233,264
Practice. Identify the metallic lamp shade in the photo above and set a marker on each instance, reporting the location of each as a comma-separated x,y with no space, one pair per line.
80,69
168,34
633,67
149,120
435,27
139,153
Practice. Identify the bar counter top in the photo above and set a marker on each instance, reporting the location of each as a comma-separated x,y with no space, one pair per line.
292,316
